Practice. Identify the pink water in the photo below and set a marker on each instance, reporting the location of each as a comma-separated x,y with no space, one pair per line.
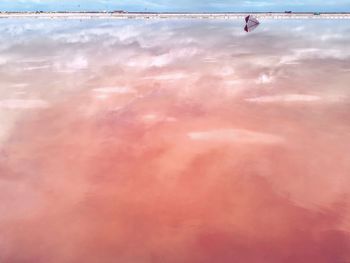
174,141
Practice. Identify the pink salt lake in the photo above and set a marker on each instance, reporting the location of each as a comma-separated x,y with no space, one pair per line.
174,141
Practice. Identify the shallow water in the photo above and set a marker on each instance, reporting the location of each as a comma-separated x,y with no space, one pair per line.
174,141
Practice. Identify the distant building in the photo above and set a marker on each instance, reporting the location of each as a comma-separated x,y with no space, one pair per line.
119,11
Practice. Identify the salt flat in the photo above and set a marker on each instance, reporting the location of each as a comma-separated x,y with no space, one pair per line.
135,15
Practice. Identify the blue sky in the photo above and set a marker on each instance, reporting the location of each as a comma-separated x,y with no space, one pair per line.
176,5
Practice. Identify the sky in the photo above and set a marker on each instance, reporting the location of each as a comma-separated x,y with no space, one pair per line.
179,5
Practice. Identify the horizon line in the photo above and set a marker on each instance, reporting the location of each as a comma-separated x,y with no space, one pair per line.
179,12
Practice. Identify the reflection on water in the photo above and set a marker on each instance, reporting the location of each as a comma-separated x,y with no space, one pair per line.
174,141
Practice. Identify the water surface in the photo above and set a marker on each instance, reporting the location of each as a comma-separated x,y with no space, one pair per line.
174,141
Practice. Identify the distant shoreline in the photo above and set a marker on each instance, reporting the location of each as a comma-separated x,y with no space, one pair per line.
175,15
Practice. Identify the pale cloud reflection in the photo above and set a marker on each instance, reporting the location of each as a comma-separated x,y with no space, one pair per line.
235,135
264,78
174,141
23,104
285,98
118,90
